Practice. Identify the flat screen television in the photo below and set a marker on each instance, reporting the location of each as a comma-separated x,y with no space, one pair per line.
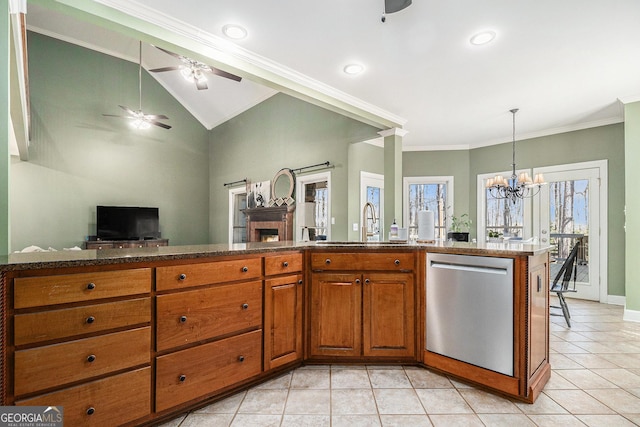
127,223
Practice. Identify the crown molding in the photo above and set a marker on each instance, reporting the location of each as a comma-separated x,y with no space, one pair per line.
236,56
393,132
629,99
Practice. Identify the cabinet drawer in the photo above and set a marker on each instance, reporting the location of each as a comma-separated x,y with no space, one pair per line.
129,244
111,401
50,366
56,324
184,276
281,264
98,245
202,370
362,261
201,314
156,243
50,290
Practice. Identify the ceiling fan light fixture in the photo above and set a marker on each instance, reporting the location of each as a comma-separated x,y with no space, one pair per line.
353,69
482,38
234,31
141,123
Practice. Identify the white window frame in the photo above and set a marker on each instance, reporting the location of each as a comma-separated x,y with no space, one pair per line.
232,193
301,181
482,201
410,180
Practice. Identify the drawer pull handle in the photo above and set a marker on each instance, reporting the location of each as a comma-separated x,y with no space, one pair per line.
245,269
367,281
396,262
300,282
182,378
183,319
91,358
245,306
91,410
240,358
91,286
90,319
357,281
182,277
285,264
327,261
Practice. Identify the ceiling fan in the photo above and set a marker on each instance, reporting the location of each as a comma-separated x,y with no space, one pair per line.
140,119
194,71
392,6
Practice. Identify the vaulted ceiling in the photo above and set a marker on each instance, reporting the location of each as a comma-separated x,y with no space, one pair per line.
565,64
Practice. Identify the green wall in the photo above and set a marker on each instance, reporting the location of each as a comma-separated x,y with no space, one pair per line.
600,143
281,132
80,159
632,177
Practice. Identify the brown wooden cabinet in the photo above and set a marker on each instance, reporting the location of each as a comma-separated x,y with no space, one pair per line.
538,325
360,314
283,300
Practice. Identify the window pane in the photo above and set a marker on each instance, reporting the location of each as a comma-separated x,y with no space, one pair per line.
431,197
504,217
373,196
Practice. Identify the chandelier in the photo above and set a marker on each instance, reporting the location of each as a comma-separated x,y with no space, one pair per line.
518,186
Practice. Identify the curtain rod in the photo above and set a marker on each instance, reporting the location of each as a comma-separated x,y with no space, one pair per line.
325,164
235,182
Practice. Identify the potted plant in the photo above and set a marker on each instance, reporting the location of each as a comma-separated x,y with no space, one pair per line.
458,224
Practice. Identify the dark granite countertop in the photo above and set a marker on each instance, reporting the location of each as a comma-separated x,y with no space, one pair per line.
60,259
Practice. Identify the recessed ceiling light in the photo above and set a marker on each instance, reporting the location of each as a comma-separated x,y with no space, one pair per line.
483,37
234,31
353,69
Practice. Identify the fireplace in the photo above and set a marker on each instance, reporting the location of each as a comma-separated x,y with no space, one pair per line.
270,224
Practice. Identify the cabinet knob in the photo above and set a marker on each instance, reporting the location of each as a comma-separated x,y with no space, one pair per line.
327,261
245,269
357,281
396,262
183,319
90,319
240,358
182,277
91,286
367,281
182,378
285,264
300,282
91,410
91,358
245,306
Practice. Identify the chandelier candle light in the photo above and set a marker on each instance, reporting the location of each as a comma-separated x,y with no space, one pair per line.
518,186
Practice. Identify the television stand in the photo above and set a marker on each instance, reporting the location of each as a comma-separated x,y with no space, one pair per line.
122,244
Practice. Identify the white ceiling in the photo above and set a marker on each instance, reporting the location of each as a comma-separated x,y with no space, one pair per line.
564,63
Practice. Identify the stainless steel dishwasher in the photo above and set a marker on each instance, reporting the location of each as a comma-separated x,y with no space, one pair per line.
470,309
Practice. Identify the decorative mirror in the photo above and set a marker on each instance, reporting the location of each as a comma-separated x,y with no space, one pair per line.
282,187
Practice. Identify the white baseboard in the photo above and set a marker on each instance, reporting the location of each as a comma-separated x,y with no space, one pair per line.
631,315
616,299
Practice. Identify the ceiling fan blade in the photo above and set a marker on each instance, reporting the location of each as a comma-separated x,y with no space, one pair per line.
162,125
156,116
201,84
128,110
221,73
116,115
160,70
168,52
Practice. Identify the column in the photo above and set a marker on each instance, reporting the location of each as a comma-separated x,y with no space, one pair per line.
392,177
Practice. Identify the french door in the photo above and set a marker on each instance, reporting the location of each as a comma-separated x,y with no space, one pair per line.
571,210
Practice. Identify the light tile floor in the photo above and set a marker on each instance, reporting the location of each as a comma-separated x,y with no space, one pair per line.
595,381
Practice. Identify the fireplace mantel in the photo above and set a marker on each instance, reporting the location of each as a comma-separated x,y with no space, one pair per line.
264,223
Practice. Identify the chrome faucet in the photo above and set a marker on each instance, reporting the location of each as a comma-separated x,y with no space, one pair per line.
365,229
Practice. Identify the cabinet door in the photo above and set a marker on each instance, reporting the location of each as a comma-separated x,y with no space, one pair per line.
388,318
282,321
538,312
336,308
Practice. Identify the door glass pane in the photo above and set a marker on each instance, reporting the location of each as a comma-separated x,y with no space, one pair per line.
431,197
239,219
317,193
504,218
569,224
373,196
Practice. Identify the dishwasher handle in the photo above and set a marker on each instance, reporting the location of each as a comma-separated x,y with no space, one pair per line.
468,267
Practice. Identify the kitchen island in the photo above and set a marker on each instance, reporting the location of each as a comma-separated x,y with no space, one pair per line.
137,336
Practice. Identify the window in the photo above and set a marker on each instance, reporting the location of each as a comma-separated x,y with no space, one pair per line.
433,193
313,214
237,218
500,217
